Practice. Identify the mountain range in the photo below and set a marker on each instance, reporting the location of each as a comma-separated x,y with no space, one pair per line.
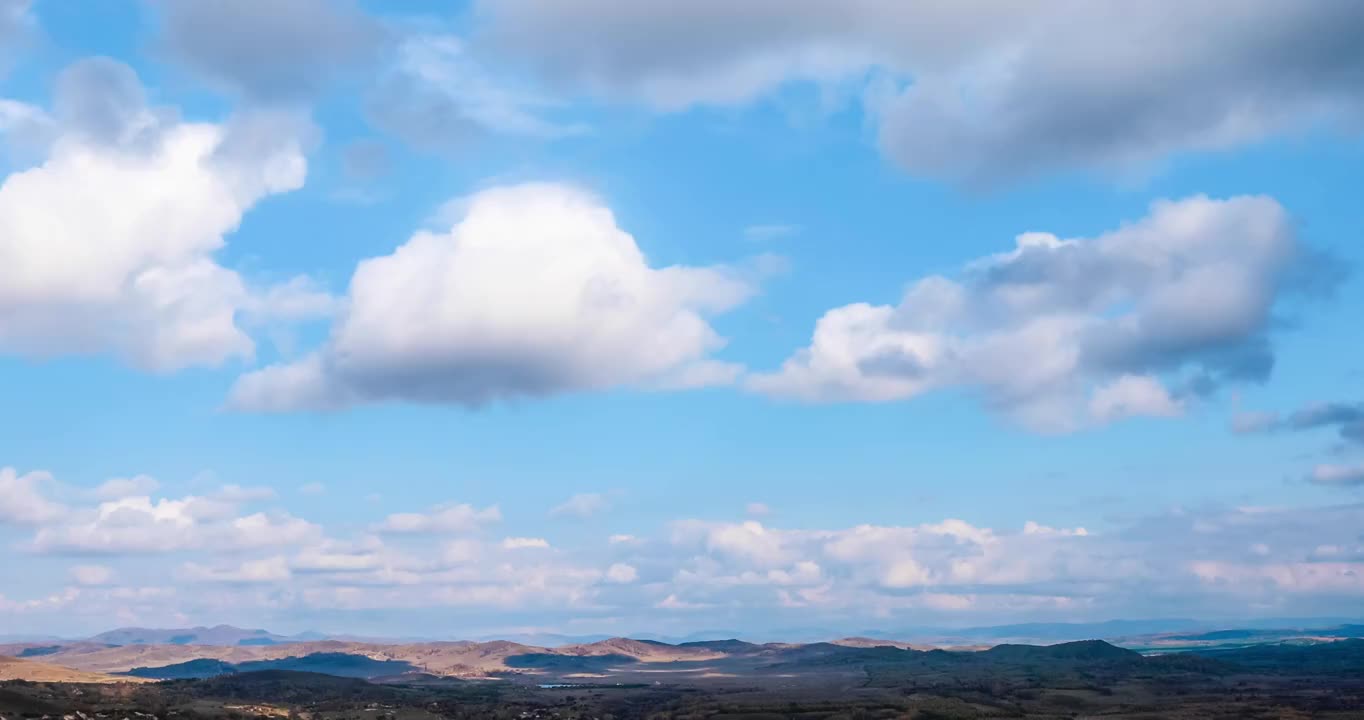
1121,632
201,652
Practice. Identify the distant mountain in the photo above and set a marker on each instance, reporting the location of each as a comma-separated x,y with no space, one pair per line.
546,639
1064,632
13,639
217,635
626,660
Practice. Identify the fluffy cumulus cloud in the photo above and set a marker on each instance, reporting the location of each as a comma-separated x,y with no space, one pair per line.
694,573
108,244
534,291
971,90
1061,332
22,498
265,50
142,524
1181,559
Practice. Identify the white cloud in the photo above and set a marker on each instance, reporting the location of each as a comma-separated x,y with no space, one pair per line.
109,243
748,540
581,505
436,94
672,602
1298,577
312,489
971,90
535,291
1338,475
460,518
22,501
1133,396
140,525
338,557
115,488
1185,294
757,509
524,543
621,573
1186,561
91,574
267,570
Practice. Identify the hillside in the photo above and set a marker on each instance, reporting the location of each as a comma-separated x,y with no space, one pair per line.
16,669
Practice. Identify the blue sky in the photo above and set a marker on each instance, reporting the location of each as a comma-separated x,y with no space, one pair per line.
622,317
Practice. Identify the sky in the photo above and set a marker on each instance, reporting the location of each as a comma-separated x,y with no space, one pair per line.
628,316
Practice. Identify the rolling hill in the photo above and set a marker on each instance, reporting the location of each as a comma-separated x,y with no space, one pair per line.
16,669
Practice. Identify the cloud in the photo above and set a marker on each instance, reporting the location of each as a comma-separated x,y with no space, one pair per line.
14,19
435,94
269,51
757,509
1058,333
22,501
1338,475
108,245
621,573
16,25
581,505
116,488
27,131
461,518
332,557
89,575
1346,418
972,91
535,291
524,543
1133,396
312,489
140,524
1181,561
268,570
